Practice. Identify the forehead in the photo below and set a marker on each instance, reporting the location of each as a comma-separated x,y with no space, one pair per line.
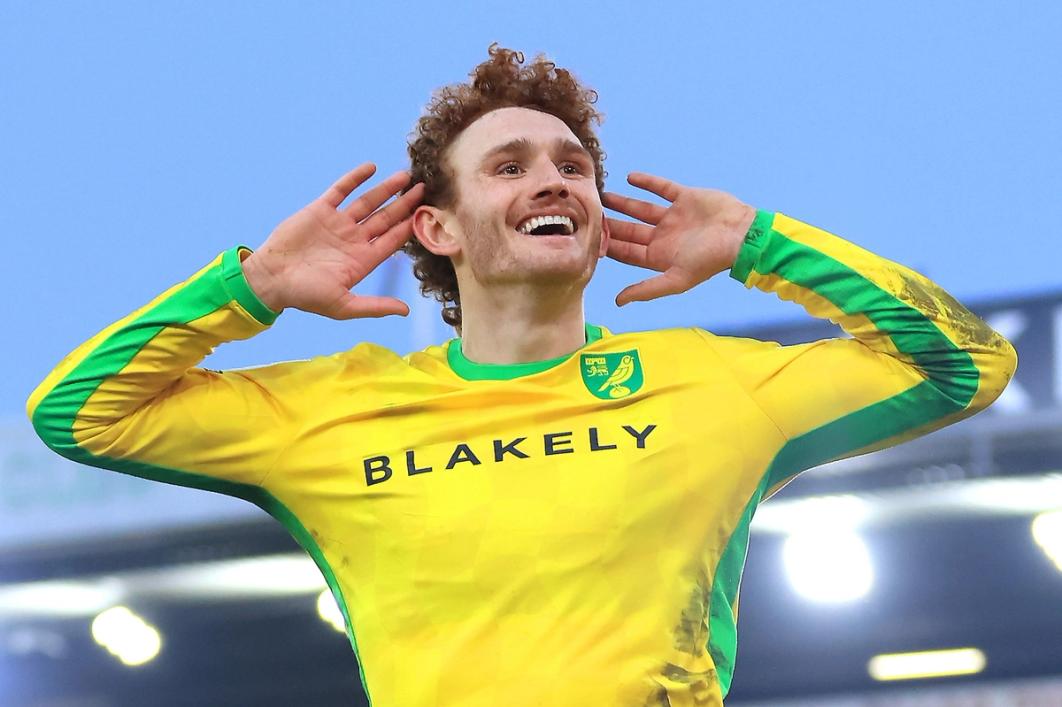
504,125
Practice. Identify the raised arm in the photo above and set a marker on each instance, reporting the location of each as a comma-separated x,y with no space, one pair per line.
918,359
131,398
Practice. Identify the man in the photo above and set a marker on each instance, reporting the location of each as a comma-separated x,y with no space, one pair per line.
540,512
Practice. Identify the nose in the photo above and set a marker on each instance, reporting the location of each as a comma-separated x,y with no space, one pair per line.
552,183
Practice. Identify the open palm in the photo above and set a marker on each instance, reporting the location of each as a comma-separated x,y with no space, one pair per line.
694,238
316,255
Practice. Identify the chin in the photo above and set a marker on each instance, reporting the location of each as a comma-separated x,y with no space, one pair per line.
559,273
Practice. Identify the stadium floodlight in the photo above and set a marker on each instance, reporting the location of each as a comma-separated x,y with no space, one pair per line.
828,566
127,636
926,664
1047,532
328,610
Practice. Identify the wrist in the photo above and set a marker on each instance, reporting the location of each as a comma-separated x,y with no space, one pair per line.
739,224
755,241
261,281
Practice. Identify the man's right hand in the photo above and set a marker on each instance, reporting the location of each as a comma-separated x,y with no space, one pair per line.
314,257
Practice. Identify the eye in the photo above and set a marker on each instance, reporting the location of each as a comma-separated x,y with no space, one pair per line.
510,169
571,169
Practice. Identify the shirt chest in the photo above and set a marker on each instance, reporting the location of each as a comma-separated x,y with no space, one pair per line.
499,458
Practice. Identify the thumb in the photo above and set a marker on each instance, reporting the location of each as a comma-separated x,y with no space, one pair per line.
361,307
670,282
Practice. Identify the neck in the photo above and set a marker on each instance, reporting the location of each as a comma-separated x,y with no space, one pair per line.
521,323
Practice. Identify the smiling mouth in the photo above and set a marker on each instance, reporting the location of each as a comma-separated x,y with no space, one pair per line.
548,226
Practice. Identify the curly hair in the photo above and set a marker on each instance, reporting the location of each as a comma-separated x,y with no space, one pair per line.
502,81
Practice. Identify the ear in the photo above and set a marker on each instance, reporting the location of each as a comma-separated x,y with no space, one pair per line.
429,226
605,236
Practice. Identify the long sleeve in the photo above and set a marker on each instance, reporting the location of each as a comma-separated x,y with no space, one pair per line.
917,360
131,398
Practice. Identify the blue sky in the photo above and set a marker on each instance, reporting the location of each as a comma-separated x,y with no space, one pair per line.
140,139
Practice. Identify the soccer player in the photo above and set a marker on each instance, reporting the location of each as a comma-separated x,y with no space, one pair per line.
539,511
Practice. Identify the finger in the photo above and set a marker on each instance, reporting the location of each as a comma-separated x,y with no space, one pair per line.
664,188
384,219
387,244
362,306
628,253
348,183
668,283
641,210
378,195
630,231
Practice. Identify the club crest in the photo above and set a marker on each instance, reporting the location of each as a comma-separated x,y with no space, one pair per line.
610,376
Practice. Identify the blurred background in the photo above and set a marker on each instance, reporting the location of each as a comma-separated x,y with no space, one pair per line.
138,140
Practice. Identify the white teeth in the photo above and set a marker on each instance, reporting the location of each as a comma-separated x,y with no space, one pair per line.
531,224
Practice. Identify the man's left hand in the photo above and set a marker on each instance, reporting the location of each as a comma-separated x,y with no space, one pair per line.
694,238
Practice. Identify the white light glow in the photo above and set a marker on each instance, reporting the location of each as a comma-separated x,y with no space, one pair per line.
1047,532
128,637
276,575
256,577
926,664
828,566
328,610
825,512
1018,496
63,598
1012,495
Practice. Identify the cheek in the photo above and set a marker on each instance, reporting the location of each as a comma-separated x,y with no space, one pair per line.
483,241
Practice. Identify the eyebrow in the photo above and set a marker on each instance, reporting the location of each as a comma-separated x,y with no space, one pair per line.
523,145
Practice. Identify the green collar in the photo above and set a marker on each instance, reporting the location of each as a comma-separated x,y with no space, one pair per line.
470,370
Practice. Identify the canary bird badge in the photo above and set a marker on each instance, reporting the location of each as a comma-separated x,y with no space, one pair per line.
611,375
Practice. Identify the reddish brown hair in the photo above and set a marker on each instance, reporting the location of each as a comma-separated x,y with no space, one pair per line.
499,82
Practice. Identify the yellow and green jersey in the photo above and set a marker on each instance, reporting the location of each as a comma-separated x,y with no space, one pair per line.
564,532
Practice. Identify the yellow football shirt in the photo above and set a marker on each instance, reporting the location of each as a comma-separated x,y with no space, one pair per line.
564,532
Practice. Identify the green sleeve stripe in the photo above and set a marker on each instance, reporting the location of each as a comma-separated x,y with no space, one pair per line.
236,285
861,428
54,417
253,494
887,418
864,427
950,368
722,621
912,333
